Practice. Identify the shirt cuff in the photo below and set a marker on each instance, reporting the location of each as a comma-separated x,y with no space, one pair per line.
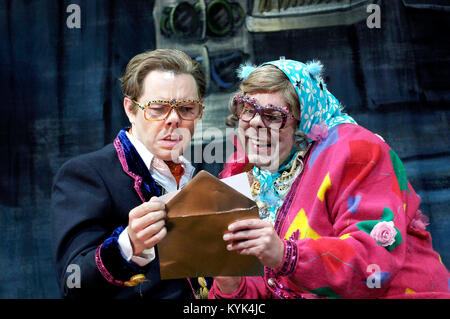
127,250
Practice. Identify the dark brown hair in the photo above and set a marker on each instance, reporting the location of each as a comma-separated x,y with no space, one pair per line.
160,60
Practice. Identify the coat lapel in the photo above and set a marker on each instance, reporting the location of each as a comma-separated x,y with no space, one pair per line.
134,166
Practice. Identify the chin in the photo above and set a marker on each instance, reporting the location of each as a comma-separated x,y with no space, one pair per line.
263,162
167,155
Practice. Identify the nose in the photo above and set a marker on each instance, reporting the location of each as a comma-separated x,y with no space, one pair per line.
173,119
257,121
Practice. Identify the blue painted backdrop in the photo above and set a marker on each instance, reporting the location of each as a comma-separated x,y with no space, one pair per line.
60,97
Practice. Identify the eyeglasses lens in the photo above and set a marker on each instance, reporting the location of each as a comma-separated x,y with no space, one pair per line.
271,118
186,110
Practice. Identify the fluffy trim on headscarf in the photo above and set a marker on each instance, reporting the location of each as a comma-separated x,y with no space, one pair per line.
315,68
244,70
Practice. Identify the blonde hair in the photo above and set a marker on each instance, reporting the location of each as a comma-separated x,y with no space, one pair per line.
268,78
161,60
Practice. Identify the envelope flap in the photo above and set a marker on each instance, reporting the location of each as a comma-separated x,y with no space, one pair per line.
206,194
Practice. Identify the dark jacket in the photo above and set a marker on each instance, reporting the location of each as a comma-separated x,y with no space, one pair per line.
91,198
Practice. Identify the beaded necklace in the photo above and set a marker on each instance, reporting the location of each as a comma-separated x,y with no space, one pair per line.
269,190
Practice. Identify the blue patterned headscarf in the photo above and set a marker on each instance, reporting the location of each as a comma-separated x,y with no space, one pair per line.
319,109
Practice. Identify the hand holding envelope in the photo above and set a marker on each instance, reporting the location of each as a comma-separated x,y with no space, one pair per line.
197,218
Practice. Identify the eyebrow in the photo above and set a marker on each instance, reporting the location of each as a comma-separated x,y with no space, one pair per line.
283,108
170,99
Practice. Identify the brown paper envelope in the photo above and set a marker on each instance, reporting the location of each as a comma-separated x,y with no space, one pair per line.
197,218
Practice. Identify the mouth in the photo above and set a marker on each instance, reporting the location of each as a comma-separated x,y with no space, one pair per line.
259,145
172,137
171,140
263,153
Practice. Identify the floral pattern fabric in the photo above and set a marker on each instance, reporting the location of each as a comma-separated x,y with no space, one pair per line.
318,105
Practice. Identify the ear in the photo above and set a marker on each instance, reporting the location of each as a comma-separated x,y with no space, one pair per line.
128,107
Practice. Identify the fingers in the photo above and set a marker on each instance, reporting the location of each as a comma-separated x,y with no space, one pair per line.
146,214
146,225
245,234
147,237
156,238
248,224
150,231
152,205
257,238
139,224
247,229
244,245
244,241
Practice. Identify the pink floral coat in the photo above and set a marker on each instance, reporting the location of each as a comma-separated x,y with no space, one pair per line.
352,228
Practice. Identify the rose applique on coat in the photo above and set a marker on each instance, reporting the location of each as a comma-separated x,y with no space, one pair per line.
383,231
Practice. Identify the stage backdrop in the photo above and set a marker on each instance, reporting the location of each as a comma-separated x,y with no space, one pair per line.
60,97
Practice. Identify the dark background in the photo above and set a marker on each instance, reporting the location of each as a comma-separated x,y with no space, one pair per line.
60,97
